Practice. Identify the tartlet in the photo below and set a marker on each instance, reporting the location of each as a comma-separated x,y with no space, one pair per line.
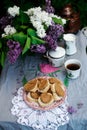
44,91
43,85
45,99
33,96
31,85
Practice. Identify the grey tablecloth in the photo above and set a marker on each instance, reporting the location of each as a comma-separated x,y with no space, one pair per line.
11,80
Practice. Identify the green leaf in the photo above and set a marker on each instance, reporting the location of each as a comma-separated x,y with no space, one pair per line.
36,40
58,21
24,17
7,37
0,44
24,80
66,81
2,58
45,27
23,27
21,19
27,45
31,32
50,75
57,71
20,37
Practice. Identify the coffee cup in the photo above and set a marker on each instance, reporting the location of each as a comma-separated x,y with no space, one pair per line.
73,68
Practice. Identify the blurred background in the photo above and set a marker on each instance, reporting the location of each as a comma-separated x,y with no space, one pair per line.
80,5
73,10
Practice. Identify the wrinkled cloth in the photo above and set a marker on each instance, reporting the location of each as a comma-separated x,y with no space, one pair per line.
72,125
13,126
12,76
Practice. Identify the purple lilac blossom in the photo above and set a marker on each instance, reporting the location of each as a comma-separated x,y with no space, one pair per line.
4,21
48,7
71,110
38,48
50,42
14,50
56,30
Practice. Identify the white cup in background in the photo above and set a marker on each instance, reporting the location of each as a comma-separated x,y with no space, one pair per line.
73,68
70,41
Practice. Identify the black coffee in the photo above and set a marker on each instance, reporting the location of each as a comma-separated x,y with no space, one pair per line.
73,66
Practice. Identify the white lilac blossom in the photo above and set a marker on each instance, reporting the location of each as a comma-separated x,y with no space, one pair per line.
46,19
41,32
13,11
32,10
35,30
63,20
3,35
39,18
39,27
58,17
8,30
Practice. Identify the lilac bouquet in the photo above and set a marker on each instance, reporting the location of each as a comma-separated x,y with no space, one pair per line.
33,30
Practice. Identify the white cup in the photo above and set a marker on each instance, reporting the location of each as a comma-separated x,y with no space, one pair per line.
70,41
73,68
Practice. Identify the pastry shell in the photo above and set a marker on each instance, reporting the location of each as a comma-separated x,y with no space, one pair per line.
45,99
43,85
46,93
32,96
31,85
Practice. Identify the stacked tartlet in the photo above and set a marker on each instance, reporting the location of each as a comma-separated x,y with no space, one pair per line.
44,91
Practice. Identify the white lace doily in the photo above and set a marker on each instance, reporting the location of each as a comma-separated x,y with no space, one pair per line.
38,119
